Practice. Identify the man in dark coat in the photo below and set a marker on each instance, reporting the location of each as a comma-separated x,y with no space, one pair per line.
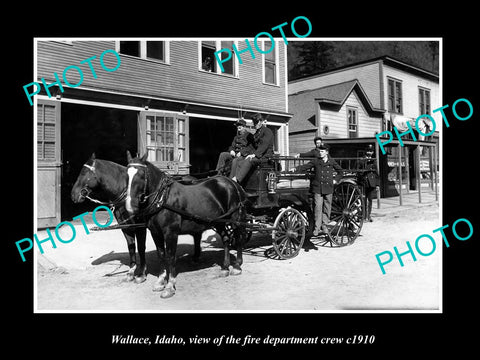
242,145
263,143
322,187
317,140
370,180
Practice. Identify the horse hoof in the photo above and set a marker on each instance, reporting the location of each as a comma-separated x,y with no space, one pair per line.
224,273
235,271
140,279
167,293
158,287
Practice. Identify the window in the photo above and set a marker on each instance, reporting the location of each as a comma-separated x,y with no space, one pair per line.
130,48
156,50
424,101
46,132
395,96
270,64
165,137
153,50
352,118
208,61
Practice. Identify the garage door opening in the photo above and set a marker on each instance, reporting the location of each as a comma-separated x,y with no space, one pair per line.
208,138
107,132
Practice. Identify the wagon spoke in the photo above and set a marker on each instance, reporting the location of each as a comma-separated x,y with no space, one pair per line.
282,238
354,202
339,225
352,221
336,217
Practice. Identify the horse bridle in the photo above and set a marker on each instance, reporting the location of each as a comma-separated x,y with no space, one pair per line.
85,191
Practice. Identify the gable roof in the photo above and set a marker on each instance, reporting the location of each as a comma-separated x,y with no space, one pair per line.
337,94
334,95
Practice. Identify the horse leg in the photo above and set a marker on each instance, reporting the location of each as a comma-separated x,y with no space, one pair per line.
197,238
158,239
225,271
171,258
141,276
239,236
130,237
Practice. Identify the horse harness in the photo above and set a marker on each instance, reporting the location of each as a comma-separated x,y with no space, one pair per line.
161,194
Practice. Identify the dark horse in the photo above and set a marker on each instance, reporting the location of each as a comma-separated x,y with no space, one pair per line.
172,208
105,182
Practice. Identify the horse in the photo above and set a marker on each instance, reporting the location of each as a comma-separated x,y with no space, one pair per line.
172,208
105,182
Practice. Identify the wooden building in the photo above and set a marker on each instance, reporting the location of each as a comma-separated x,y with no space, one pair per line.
348,106
168,97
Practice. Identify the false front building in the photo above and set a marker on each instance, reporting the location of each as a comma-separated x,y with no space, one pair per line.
348,106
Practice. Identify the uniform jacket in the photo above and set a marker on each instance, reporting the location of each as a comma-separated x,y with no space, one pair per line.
263,138
243,143
322,183
371,176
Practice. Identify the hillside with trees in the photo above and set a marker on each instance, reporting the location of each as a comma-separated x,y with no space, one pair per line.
313,57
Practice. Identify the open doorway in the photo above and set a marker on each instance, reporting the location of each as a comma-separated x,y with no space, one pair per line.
107,132
208,138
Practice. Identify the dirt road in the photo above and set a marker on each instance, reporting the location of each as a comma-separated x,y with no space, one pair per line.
92,274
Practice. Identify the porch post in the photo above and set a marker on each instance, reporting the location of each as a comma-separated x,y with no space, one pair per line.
377,156
430,165
407,168
418,175
434,158
399,173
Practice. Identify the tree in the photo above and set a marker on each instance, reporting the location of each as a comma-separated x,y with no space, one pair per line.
311,57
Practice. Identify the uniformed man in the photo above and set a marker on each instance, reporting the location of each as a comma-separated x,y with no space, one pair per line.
370,180
322,187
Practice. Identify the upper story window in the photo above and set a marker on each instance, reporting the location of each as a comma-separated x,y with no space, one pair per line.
395,96
208,61
145,49
270,63
352,118
424,101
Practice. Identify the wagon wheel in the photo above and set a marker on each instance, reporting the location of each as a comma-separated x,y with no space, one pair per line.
347,213
289,235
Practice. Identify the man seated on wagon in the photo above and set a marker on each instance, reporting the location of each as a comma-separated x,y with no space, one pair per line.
263,149
322,187
242,145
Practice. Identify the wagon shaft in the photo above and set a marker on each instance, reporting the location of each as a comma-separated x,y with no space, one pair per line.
118,226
